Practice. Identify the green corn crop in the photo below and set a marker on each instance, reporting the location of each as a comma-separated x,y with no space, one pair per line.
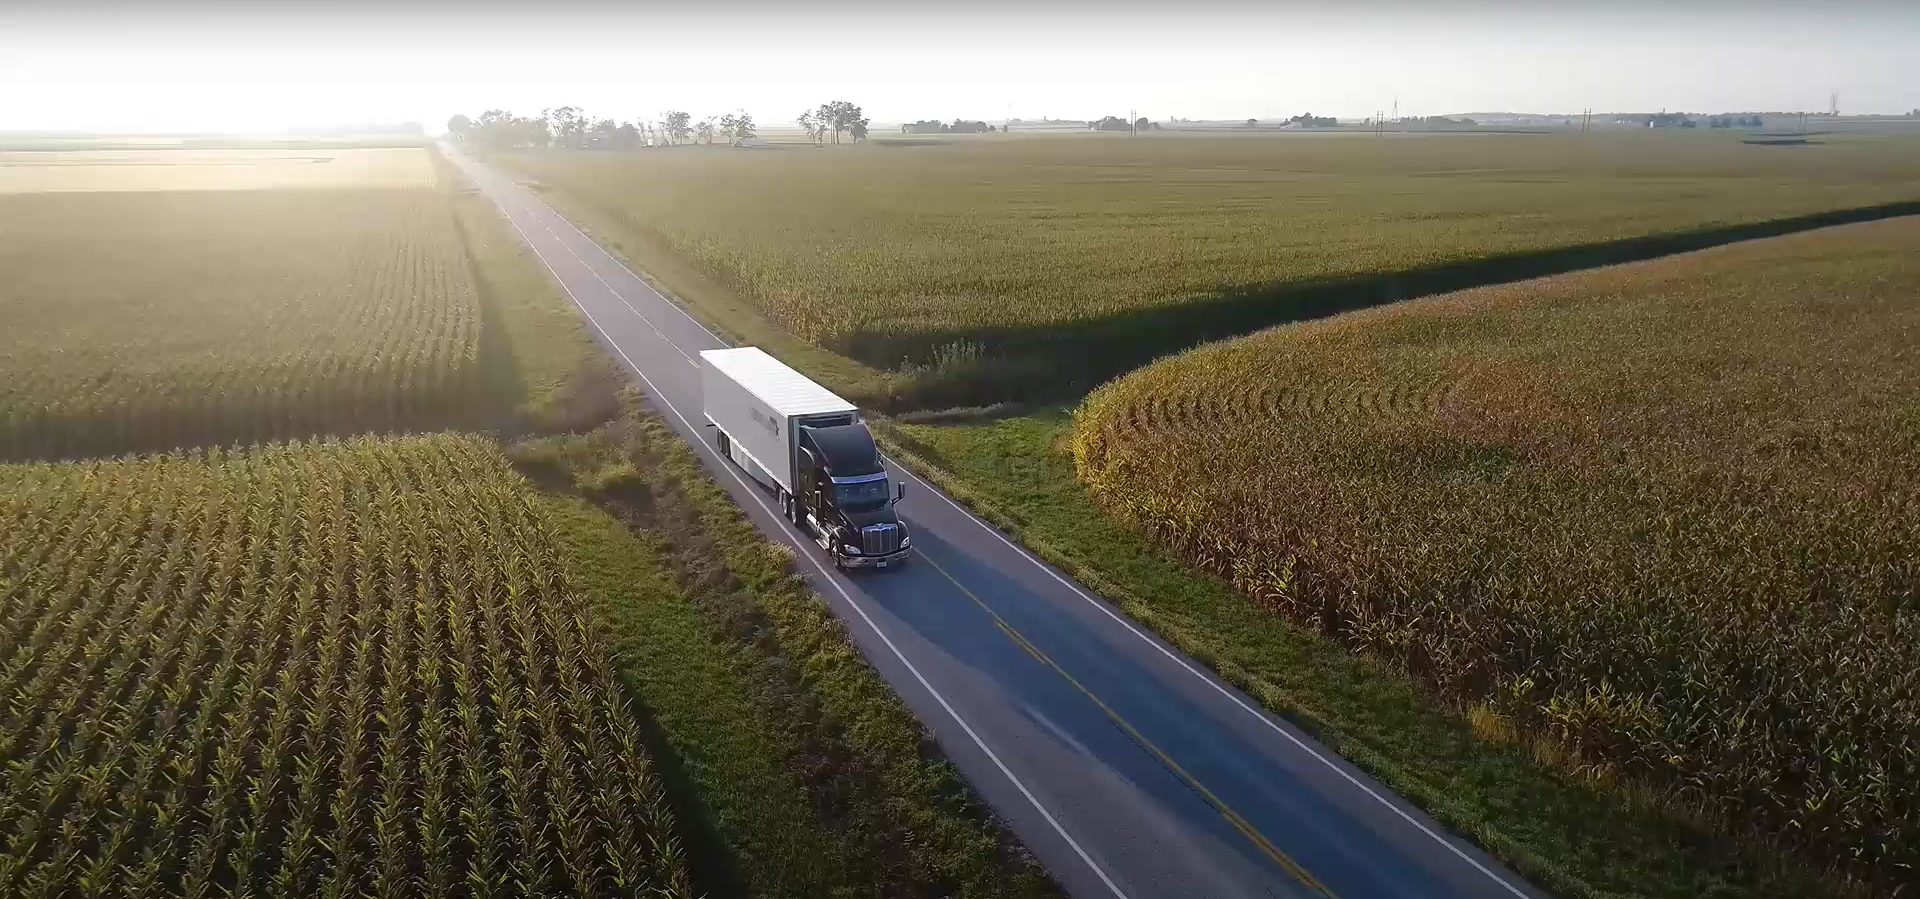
306,670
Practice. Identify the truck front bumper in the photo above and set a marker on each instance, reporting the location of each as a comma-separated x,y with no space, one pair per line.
890,560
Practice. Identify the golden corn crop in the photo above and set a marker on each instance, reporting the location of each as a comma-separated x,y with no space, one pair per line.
1665,517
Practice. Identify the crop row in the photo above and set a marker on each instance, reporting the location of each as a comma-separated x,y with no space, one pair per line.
340,669
893,250
149,321
1663,518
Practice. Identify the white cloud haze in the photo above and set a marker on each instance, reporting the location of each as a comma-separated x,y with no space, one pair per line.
229,67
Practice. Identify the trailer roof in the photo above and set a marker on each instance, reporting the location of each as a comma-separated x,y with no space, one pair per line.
787,391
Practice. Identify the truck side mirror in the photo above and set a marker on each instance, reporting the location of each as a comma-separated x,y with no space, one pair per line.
899,491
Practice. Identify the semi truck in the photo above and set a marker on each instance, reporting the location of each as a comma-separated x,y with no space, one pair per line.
811,449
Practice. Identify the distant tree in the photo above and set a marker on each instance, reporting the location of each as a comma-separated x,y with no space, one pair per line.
737,126
678,125
1309,120
840,116
628,137
569,126
1142,124
810,123
1109,123
459,126
1253,123
703,131
500,128
602,134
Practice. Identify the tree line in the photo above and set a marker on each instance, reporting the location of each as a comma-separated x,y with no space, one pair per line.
958,126
569,127
833,119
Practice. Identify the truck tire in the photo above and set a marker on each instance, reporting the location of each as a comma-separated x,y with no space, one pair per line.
726,445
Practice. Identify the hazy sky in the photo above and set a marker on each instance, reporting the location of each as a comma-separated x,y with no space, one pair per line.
162,65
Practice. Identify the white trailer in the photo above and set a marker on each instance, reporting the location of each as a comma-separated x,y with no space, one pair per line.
811,449
760,405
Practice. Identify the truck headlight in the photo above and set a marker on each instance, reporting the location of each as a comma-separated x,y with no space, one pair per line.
906,542
849,549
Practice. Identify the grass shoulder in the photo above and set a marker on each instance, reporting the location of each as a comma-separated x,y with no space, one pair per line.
1573,836
777,730
793,769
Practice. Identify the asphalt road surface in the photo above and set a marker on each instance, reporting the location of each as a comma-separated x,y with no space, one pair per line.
1128,769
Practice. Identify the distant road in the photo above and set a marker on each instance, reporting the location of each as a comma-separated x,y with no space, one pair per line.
1127,768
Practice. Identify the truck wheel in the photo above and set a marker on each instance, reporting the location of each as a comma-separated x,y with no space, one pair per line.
726,446
786,506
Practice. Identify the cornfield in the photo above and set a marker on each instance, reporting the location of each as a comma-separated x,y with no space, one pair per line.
896,249
150,321
1662,518
202,167
338,669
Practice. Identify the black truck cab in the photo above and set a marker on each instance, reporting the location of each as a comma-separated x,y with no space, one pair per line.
844,499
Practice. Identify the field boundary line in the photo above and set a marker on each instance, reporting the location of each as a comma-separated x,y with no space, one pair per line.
786,531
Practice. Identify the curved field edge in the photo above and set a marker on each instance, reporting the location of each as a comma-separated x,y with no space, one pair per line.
1571,835
1659,519
1033,270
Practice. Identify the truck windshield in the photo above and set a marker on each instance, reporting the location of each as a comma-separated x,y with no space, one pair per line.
865,496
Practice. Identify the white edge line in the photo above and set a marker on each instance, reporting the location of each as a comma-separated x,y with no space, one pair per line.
644,282
610,288
1099,604
840,588
1223,691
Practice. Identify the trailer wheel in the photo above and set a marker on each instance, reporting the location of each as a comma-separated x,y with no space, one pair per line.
786,506
726,445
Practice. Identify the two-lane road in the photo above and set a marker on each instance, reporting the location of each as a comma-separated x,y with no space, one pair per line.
1127,768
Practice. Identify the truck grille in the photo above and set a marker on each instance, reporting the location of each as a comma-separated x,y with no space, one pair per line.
879,539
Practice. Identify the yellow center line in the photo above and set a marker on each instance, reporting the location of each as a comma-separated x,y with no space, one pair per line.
1239,822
